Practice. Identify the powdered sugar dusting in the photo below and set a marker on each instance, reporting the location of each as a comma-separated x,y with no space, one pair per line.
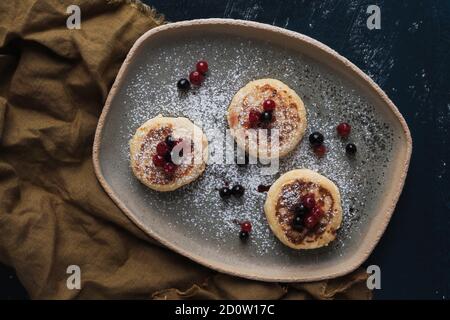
197,209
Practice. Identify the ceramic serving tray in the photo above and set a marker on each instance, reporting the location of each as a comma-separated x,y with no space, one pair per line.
194,221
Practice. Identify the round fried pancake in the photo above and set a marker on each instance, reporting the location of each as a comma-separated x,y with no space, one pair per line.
289,118
286,193
143,148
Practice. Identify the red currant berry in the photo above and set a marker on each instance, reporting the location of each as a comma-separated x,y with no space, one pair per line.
169,168
162,148
246,226
196,78
310,221
202,67
309,201
269,105
254,118
344,129
158,160
317,213
320,150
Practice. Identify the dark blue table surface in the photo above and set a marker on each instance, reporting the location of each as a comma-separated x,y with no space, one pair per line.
409,58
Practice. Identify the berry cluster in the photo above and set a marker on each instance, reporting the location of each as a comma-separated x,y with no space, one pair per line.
226,192
343,131
237,191
163,156
195,77
246,228
316,140
307,213
257,118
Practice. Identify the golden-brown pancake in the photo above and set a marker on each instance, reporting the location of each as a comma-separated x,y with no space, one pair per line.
143,149
282,205
289,118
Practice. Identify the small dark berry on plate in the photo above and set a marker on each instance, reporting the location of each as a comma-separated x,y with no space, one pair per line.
246,226
183,84
158,160
169,168
269,105
309,201
196,78
254,117
202,67
266,116
316,138
243,235
170,141
320,150
224,192
350,149
237,190
162,148
297,222
344,129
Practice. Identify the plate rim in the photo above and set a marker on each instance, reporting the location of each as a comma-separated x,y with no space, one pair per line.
344,268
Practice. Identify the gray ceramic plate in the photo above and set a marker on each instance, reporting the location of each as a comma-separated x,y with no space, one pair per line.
193,220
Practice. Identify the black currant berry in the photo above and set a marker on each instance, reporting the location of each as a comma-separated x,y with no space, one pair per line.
266,116
225,192
243,235
300,209
297,222
183,84
316,138
350,149
237,190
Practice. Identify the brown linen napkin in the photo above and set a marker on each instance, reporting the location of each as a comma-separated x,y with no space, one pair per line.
53,213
